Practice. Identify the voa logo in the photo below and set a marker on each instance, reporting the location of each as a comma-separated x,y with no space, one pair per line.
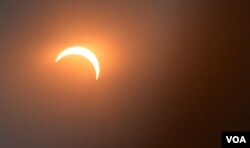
236,139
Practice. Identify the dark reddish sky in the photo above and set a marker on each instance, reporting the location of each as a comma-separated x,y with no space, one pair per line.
173,73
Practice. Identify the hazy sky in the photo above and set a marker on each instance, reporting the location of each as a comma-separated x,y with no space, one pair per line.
173,73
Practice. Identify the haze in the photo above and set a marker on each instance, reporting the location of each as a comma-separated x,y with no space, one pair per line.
174,73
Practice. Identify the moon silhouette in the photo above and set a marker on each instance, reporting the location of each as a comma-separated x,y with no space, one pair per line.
84,52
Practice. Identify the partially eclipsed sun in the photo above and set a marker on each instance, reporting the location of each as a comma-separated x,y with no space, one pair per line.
84,52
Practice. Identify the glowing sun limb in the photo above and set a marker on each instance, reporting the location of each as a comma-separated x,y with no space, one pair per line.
84,52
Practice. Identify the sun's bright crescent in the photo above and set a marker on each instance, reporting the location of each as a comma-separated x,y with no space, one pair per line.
84,52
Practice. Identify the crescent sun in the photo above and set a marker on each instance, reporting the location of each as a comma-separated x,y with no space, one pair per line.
84,52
